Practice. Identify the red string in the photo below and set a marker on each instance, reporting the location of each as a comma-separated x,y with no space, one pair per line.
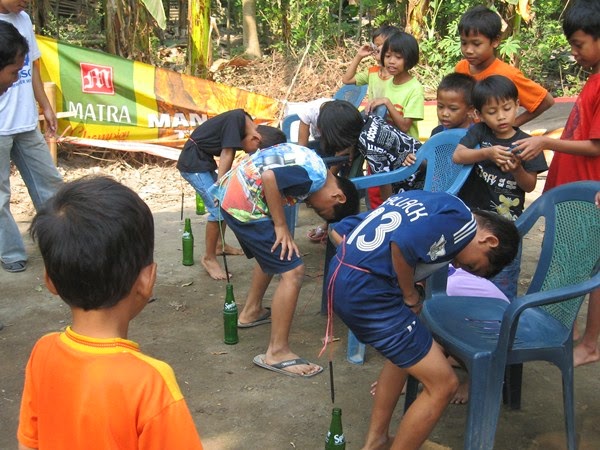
330,292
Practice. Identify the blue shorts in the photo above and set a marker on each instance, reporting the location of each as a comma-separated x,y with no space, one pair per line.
374,310
256,239
201,182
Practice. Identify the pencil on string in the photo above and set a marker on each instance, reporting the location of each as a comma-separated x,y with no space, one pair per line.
331,381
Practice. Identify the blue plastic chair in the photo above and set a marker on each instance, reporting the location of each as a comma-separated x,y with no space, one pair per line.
441,175
489,336
349,92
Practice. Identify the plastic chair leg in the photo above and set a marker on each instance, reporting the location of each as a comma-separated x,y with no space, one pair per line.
511,392
291,214
355,353
569,405
485,395
412,388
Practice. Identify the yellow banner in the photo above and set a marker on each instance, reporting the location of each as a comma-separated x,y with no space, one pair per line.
110,99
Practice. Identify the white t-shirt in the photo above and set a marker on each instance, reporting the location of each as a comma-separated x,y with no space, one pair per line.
309,114
18,108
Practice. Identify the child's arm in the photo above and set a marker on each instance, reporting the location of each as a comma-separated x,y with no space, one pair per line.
405,273
529,148
363,52
275,203
497,153
42,99
526,116
225,161
303,133
525,180
398,119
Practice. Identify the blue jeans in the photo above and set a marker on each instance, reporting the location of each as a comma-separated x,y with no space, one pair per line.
29,152
201,182
508,278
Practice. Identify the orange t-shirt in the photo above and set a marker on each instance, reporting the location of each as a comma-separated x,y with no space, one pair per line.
85,393
531,94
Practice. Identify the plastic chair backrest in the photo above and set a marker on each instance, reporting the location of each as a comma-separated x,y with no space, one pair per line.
442,175
352,93
286,125
571,244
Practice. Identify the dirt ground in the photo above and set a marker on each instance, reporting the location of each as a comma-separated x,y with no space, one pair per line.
236,405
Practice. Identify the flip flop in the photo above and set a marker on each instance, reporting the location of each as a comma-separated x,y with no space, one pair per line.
265,318
14,267
260,360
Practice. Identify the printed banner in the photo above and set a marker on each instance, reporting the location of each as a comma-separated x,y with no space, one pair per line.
111,99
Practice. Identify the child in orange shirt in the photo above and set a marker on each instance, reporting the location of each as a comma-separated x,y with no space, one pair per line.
89,387
479,30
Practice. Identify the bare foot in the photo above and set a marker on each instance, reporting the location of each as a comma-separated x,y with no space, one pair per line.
214,270
576,333
229,250
381,443
374,388
462,394
584,355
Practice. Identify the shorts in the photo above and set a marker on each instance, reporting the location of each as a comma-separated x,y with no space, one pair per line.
374,309
201,182
256,239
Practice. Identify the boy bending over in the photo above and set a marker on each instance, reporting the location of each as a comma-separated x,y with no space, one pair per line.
380,255
252,197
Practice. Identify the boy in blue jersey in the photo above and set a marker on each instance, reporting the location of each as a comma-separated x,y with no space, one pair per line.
381,254
252,197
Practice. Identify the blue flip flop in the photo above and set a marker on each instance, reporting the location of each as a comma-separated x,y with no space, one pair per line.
14,267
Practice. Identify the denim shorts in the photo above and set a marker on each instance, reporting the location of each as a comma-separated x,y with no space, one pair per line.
201,182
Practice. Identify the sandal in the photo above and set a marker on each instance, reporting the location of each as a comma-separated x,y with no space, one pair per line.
318,234
14,267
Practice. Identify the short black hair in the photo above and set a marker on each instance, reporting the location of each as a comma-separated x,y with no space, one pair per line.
480,20
583,15
496,87
384,31
351,206
508,239
404,44
458,82
270,136
340,124
95,236
12,44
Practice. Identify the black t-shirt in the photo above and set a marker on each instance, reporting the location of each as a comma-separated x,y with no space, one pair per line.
489,188
223,131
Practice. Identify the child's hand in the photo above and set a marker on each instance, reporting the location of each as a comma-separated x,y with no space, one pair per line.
511,165
528,148
499,154
597,199
366,50
373,104
410,160
284,238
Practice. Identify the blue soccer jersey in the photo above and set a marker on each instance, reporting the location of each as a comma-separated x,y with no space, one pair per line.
428,228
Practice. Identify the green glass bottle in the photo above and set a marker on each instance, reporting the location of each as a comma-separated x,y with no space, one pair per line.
200,208
335,436
230,317
187,243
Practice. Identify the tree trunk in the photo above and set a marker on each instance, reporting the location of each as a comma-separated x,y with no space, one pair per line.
199,49
251,44
128,30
